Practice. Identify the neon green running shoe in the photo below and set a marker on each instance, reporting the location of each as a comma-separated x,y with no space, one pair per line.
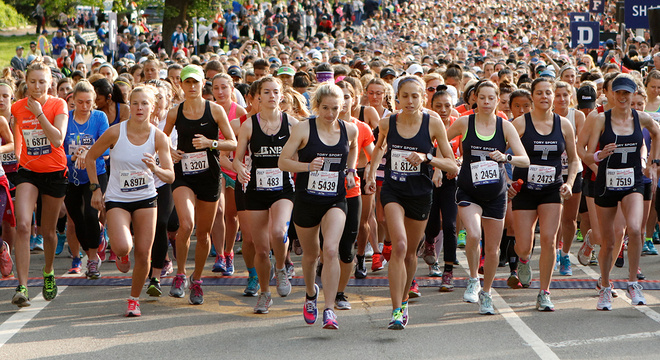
50,287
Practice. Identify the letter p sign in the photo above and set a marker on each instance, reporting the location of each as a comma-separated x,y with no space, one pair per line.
586,33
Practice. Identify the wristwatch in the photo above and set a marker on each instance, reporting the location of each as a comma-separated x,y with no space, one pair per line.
509,157
655,161
429,158
93,187
214,144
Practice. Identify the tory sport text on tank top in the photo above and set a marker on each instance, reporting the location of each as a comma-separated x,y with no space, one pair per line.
196,163
265,151
130,178
544,153
622,170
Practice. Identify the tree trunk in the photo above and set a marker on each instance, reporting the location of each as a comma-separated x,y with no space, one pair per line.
170,22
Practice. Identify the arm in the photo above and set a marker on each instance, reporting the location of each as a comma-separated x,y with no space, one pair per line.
459,127
520,158
573,159
654,129
169,126
56,131
229,143
594,131
298,139
377,156
244,134
7,137
165,171
583,139
107,140
446,160
371,117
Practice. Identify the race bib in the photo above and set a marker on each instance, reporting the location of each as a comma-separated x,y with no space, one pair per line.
540,176
8,158
133,180
564,164
400,167
380,172
323,183
36,142
269,179
485,172
194,163
620,179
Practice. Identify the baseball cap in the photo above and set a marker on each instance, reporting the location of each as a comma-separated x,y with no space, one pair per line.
192,71
414,69
624,83
97,61
586,97
639,39
285,70
386,72
234,71
548,73
20,47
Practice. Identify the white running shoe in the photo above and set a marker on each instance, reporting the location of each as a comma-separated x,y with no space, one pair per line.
471,294
635,294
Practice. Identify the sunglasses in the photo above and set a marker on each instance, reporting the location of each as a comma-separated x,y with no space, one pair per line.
437,88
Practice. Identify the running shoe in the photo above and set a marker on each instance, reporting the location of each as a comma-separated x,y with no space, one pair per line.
447,284
594,258
471,293
341,302
360,268
297,249
579,237
640,276
39,243
196,293
460,243
387,251
656,235
376,262
414,290
103,245
154,288
543,302
33,242
565,266
76,266
620,260
434,270
167,269
264,302
404,312
513,280
133,309
113,256
635,294
49,290
397,320
310,312
615,294
486,303
645,248
6,263
219,265
252,286
650,248
429,253
61,239
584,254
123,264
21,298
283,283
93,269
330,320
290,270
179,284
229,264
525,273
368,250
604,299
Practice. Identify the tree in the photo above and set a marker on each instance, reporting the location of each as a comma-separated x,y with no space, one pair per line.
178,11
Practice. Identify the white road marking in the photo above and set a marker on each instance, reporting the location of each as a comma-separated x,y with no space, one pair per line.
605,340
525,332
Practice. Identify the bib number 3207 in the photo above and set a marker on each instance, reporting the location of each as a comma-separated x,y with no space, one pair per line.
194,163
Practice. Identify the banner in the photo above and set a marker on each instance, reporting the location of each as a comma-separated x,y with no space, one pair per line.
586,33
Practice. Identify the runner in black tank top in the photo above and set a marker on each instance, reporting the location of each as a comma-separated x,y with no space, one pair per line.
326,147
619,136
197,175
269,194
481,194
545,135
407,189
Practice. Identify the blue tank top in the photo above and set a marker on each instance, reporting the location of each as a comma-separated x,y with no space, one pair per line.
480,176
544,151
327,185
400,175
622,170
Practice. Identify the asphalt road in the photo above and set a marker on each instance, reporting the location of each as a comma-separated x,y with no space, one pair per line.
86,320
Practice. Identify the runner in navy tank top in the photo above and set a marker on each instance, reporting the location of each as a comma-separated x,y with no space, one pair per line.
407,188
545,136
197,183
618,134
481,194
327,148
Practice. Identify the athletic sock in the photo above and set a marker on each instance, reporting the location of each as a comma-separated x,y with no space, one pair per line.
449,267
252,272
564,253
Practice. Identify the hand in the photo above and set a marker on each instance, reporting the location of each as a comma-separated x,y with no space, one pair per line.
350,181
243,175
653,175
511,192
81,154
497,156
177,155
97,200
150,161
316,164
416,158
201,142
437,178
565,191
34,106
370,187
607,151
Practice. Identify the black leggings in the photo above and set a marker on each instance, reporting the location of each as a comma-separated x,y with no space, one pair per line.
349,236
444,205
160,245
78,203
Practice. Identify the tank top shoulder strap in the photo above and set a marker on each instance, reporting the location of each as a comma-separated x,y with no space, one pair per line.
313,132
232,111
207,108
528,121
556,125
392,123
361,116
638,126
471,128
179,111
117,117
255,124
608,122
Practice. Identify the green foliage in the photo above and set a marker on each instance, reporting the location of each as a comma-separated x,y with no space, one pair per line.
10,18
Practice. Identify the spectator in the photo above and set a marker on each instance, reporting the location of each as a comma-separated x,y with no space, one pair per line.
40,16
232,28
18,62
44,44
214,38
59,42
179,36
34,50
